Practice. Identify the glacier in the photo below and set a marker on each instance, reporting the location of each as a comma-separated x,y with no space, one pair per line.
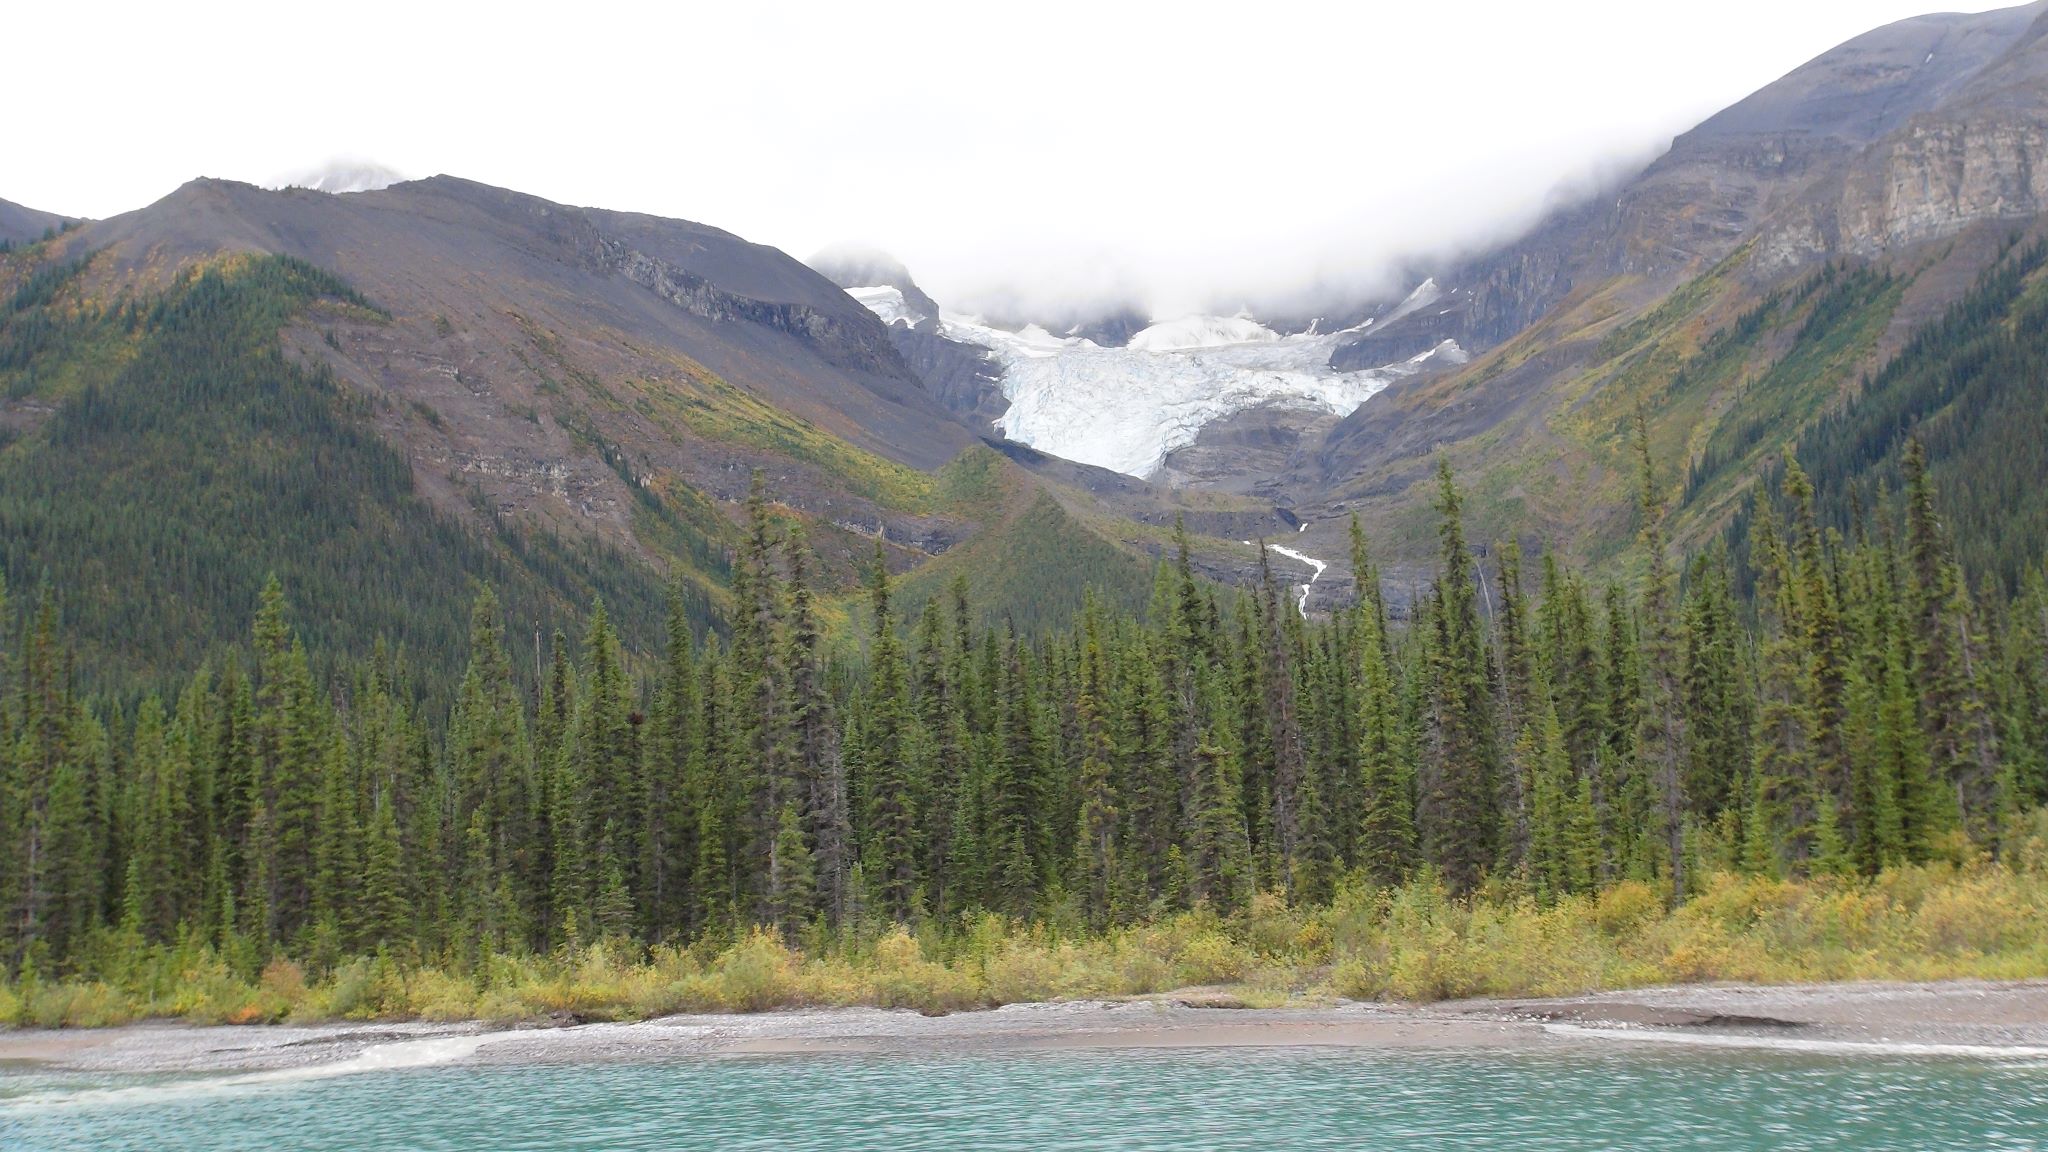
1126,408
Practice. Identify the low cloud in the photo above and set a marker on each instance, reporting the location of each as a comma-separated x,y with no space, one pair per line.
1053,157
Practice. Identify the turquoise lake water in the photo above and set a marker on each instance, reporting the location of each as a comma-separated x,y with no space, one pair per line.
1624,1097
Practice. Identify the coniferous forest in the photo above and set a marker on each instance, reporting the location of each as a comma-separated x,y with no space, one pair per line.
1518,733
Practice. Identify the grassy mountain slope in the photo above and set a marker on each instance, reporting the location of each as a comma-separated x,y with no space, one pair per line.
1727,374
1032,559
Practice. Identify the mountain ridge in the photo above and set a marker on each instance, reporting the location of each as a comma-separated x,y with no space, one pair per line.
20,224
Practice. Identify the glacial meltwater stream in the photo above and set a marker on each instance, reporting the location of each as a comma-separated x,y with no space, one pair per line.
1620,1096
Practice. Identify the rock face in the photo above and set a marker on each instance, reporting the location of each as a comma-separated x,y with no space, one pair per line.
839,339
962,377
854,268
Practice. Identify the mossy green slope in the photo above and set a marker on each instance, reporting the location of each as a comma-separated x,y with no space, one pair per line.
1033,562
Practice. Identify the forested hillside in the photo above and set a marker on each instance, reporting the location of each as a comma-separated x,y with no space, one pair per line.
1972,389
163,450
1579,735
167,455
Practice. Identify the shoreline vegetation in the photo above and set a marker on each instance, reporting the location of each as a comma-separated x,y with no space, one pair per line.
1821,758
1415,944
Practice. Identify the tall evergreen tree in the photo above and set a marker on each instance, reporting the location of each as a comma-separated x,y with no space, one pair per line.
1459,803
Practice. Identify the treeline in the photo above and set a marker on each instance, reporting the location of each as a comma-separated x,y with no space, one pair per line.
1523,731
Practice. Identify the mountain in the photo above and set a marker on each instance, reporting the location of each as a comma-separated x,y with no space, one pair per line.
20,225
1736,293
443,383
962,376
515,269
1787,143
388,396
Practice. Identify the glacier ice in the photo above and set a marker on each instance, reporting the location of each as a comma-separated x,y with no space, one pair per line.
1126,408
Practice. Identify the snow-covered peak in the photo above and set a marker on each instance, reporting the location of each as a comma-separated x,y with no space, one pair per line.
1191,332
887,302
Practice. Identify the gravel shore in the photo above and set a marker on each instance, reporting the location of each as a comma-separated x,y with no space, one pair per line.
1967,1018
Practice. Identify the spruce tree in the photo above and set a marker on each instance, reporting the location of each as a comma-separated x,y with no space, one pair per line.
1459,811
792,881
1661,733
1095,862
889,743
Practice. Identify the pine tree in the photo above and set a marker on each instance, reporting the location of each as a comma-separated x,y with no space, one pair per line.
492,761
1516,710
1459,810
819,786
1288,768
890,742
1822,649
606,755
1936,665
382,917
792,882
1220,868
1718,701
1781,769
1095,862
1386,827
668,848
1661,734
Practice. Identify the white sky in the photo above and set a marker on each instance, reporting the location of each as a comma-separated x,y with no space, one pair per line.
1185,154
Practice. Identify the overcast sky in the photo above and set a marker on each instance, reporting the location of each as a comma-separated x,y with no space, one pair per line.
1186,155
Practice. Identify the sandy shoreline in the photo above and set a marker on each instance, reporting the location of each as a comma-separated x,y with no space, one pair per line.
1963,1018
